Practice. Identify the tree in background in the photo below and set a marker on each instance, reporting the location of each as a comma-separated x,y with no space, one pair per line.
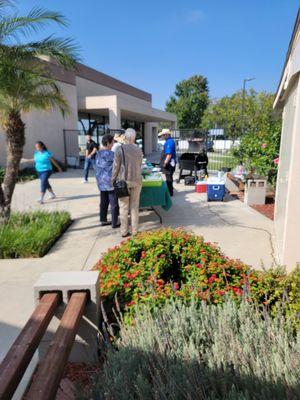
260,151
236,119
255,124
25,83
260,143
189,102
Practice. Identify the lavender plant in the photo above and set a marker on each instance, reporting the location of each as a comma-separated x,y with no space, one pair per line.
204,352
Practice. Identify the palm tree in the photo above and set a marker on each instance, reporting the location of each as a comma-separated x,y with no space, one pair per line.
26,84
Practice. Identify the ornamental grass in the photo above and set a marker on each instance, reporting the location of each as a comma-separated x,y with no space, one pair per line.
32,234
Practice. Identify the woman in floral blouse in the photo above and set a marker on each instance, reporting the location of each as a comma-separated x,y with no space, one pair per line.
103,168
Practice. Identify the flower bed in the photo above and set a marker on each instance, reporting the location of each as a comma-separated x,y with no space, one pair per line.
266,209
165,264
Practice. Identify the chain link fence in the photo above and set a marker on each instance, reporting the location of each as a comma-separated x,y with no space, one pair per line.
218,148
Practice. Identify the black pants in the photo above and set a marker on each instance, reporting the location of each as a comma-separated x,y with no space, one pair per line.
109,198
169,172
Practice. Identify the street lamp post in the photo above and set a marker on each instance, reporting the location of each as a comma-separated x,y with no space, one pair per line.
243,102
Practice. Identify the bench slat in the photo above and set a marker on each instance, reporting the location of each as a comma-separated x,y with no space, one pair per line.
47,379
21,352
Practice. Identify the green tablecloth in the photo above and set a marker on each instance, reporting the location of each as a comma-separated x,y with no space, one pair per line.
156,196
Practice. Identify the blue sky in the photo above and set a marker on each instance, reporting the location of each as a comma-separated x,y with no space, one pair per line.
154,44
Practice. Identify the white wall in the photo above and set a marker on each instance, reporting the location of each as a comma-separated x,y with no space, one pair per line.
150,137
288,120
48,127
92,95
287,212
86,88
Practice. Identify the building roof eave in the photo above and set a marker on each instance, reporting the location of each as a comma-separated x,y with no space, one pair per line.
282,82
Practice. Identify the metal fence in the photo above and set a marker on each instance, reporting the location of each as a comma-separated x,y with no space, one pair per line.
218,148
72,147
75,144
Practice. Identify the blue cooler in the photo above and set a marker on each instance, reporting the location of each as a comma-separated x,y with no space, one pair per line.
215,190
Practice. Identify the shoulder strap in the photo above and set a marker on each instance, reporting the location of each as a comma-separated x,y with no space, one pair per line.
123,158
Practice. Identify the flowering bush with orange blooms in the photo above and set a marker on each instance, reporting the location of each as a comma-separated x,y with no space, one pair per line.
154,266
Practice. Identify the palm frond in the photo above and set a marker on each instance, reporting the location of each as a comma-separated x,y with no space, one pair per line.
46,101
12,26
26,81
5,4
28,91
62,50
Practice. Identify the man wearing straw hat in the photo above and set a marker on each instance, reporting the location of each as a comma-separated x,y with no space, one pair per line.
168,158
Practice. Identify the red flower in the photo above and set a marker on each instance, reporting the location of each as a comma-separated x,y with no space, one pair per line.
133,275
213,278
237,291
176,286
104,269
143,255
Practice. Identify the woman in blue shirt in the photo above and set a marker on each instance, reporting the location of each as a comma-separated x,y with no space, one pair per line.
103,169
43,164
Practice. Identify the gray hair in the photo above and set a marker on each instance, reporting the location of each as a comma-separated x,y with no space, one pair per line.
130,135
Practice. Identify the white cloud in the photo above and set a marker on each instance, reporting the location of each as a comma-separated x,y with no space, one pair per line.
193,16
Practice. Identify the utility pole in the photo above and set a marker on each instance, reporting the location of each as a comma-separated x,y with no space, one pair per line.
243,102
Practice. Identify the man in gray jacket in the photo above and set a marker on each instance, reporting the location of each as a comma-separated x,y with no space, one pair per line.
130,171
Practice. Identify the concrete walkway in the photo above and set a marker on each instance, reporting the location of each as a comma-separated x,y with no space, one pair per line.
240,231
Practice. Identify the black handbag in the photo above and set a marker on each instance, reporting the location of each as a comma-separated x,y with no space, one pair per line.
121,188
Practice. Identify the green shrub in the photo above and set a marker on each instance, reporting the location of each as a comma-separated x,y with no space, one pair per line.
155,266
200,352
25,175
282,293
31,234
258,150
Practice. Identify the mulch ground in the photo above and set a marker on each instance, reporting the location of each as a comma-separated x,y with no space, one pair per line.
77,377
266,209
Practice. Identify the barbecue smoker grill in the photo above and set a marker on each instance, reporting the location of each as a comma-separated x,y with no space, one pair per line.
194,163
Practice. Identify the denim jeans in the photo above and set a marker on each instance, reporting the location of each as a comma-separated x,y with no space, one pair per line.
44,177
109,197
87,164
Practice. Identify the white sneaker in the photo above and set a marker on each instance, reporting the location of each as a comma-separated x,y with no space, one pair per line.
41,201
52,196
85,181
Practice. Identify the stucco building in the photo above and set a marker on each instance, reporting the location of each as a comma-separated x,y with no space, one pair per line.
287,210
92,96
